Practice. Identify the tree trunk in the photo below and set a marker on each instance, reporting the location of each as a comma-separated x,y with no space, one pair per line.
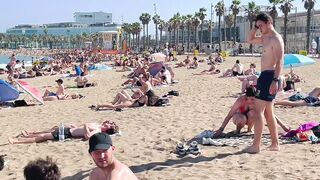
195,37
183,39
234,29
251,49
147,35
201,38
160,39
308,29
144,36
285,30
219,34
188,45
156,36
178,39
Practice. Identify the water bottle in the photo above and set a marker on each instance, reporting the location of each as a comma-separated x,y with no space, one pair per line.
61,132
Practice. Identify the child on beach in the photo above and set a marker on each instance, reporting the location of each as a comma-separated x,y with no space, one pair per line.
84,131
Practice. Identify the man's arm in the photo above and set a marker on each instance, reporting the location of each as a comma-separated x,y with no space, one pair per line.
90,131
278,53
252,38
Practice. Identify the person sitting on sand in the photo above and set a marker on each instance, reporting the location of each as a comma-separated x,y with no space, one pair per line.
60,93
124,100
251,70
242,113
219,58
212,70
84,131
236,70
184,63
82,81
311,100
194,64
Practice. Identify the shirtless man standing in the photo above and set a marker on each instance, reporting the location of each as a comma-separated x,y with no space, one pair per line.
11,65
267,85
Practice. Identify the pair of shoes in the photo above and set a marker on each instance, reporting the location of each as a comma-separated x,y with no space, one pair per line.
209,141
192,149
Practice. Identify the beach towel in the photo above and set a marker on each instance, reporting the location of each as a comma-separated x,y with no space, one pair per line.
302,128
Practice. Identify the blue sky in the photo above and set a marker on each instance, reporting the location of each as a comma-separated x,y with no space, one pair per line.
13,12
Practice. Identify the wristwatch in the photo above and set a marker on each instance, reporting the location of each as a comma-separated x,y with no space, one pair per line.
275,79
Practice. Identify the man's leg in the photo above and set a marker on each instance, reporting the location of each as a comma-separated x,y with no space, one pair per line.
291,103
272,126
259,108
39,138
250,120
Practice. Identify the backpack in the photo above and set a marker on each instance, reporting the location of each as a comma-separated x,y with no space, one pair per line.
173,93
316,131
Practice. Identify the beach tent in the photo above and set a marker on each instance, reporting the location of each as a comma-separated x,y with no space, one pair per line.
32,91
7,92
155,68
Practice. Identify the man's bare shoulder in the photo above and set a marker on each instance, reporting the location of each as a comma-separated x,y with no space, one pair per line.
97,174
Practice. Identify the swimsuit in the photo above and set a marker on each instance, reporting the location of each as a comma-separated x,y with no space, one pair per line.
263,85
137,104
312,101
67,134
235,73
52,94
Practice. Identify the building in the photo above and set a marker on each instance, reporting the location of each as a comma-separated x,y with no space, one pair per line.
95,22
93,17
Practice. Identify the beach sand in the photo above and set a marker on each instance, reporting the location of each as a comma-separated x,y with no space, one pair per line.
150,134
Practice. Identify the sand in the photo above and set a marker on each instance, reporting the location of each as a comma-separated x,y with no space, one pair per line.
150,134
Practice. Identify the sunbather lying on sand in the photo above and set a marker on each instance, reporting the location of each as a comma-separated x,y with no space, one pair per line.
212,70
82,81
311,100
124,100
84,131
242,113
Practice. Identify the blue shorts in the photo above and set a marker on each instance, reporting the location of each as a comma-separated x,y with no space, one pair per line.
263,85
52,94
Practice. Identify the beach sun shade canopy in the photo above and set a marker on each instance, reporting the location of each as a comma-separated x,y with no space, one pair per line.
158,56
7,92
32,91
296,60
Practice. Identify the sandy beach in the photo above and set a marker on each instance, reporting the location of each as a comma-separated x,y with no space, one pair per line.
150,134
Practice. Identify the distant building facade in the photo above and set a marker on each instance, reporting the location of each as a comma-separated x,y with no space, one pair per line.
93,17
95,22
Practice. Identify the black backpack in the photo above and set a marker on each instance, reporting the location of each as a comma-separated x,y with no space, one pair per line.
173,93
316,131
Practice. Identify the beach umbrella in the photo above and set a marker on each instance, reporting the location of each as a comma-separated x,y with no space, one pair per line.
296,60
158,56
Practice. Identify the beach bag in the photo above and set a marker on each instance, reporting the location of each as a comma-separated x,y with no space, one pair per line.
161,102
173,93
290,85
316,131
19,103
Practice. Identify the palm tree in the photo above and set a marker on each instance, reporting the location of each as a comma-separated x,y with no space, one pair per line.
235,7
252,12
273,12
156,21
175,21
145,19
189,24
309,5
201,15
182,27
195,24
125,28
161,28
219,12
229,19
136,29
285,8
169,28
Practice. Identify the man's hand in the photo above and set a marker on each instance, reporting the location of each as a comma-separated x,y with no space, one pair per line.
218,133
273,88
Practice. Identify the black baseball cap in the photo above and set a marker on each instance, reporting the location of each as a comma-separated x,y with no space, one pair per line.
60,81
99,141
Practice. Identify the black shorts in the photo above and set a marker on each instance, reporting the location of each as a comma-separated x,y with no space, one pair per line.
263,85
235,73
10,68
67,134
312,101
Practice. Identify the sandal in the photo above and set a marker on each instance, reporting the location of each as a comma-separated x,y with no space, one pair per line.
180,149
194,148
